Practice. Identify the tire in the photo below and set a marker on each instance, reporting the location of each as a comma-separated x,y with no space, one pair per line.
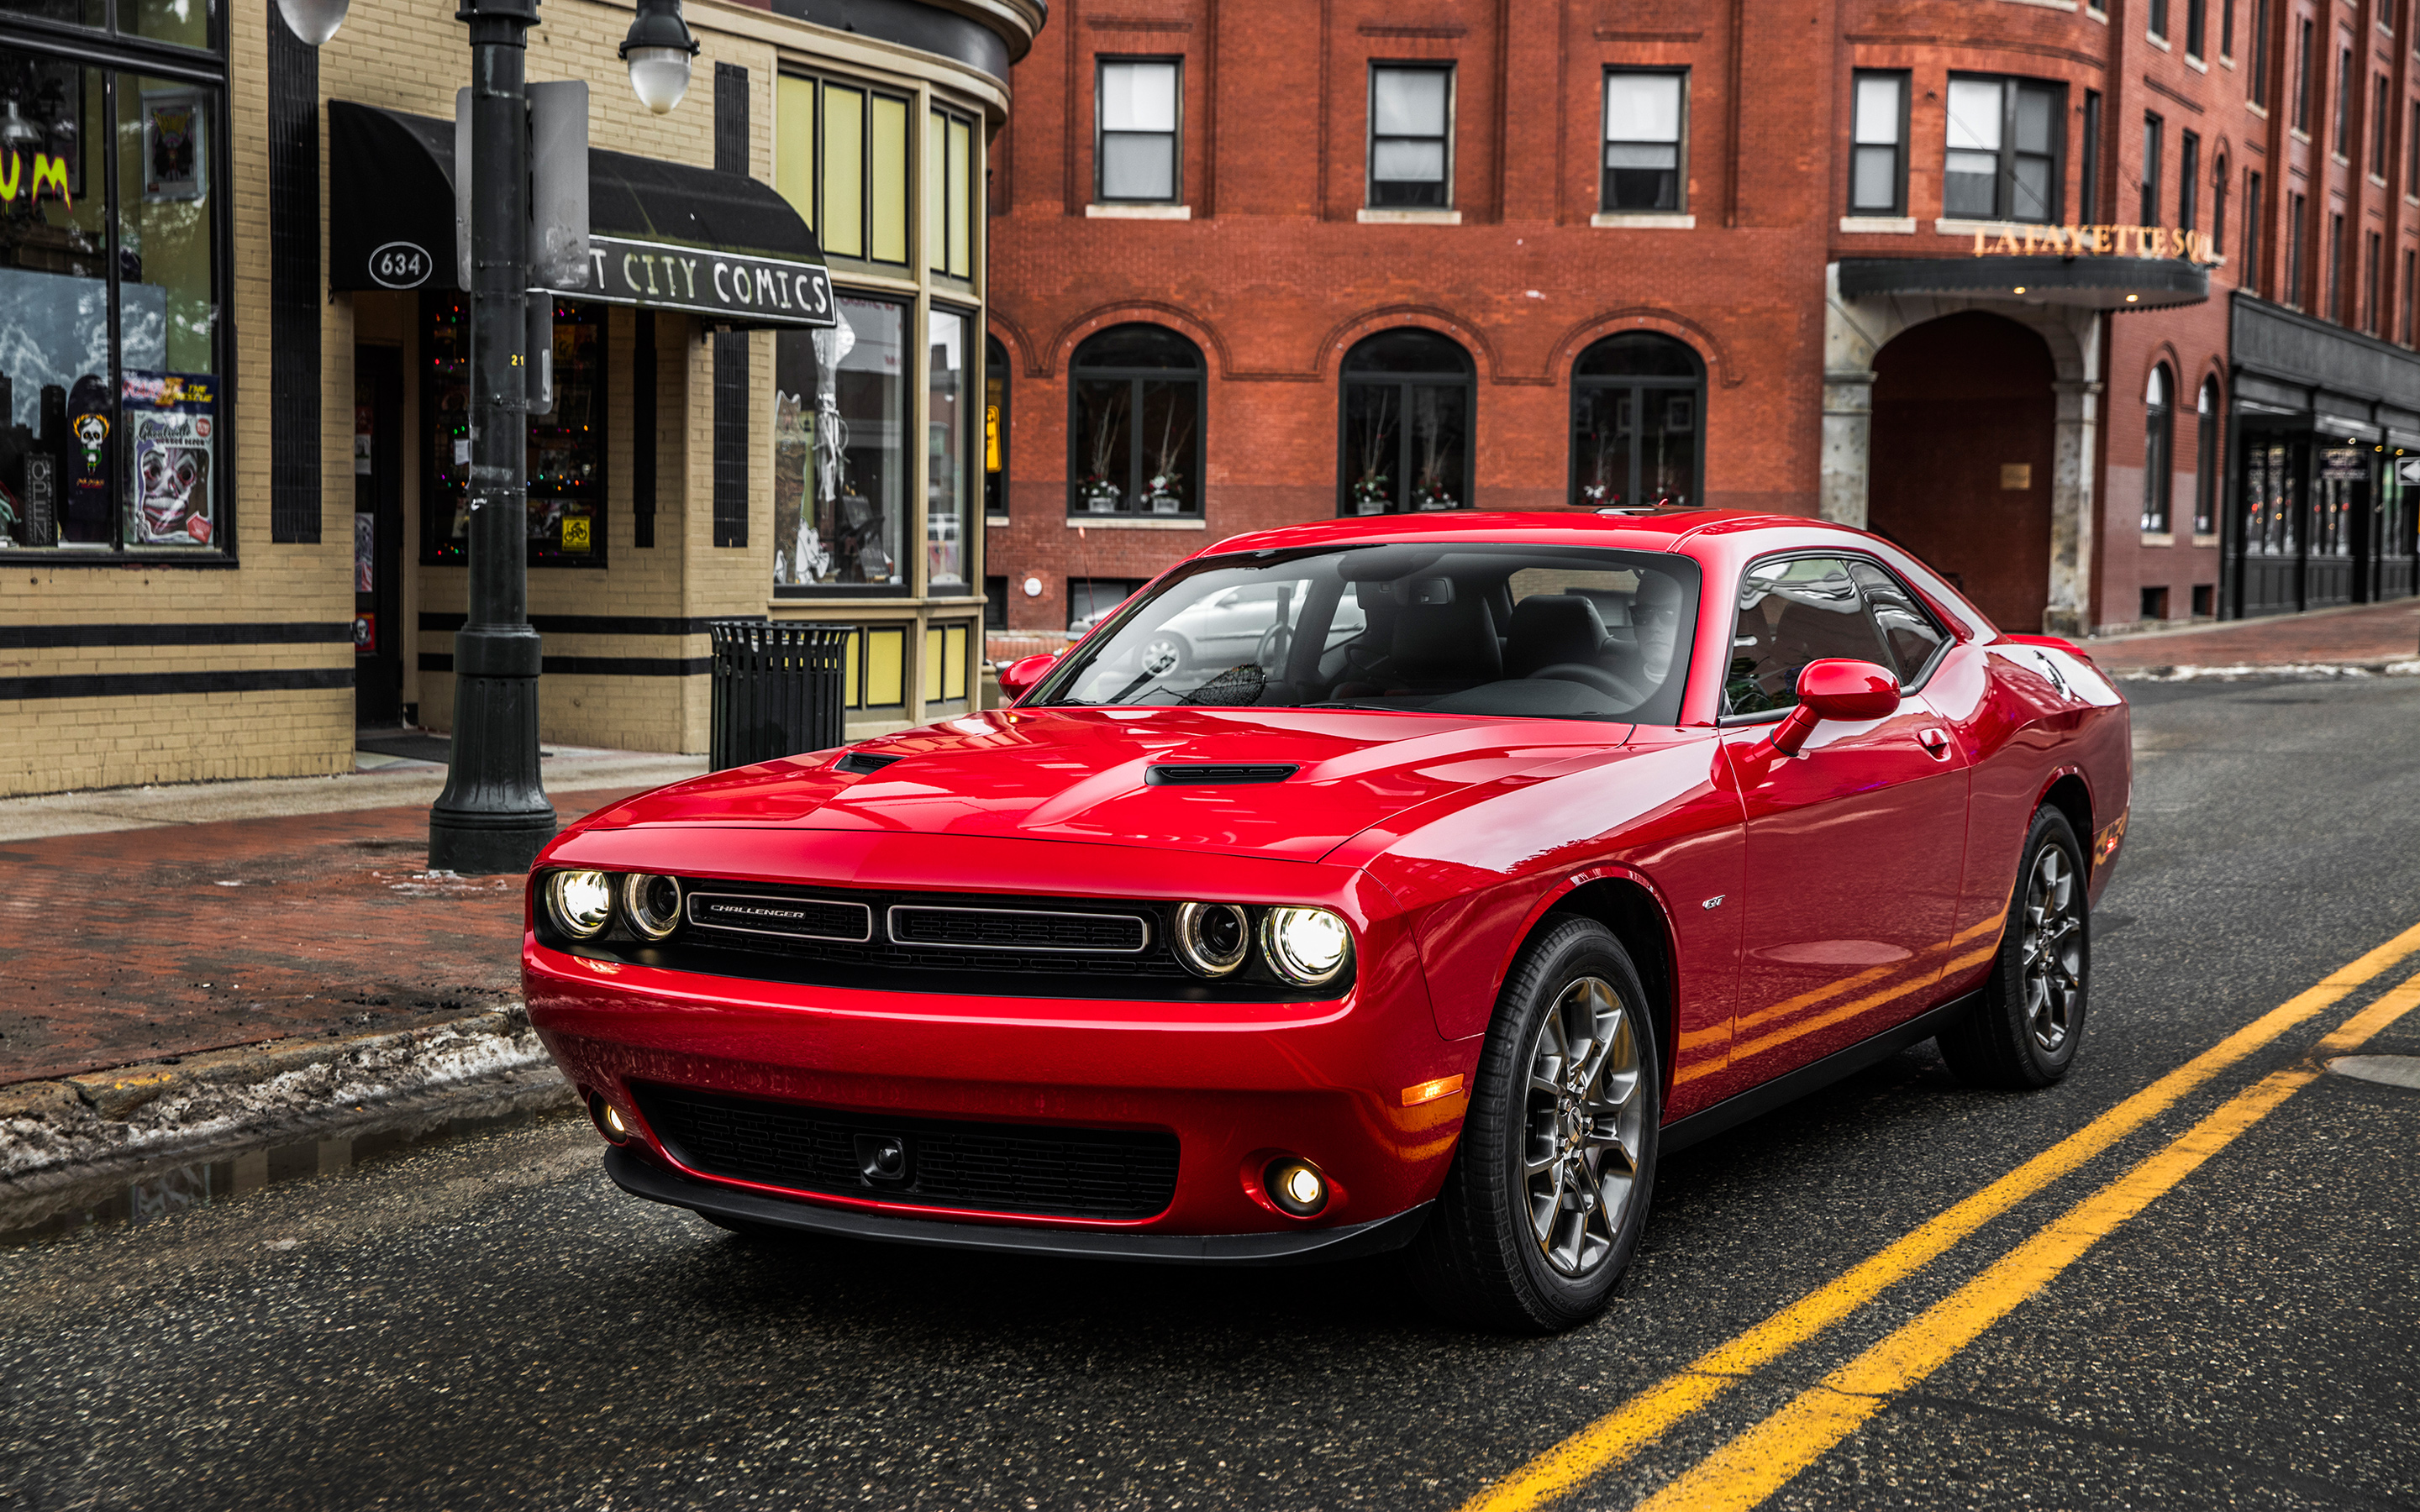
1482,1258
2024,1032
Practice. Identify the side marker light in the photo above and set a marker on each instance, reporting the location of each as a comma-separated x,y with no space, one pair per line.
1429,1091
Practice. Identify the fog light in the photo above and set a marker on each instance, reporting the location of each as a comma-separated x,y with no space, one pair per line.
1296,1186
1305,946
580,901
1213,938
652,904
609,1119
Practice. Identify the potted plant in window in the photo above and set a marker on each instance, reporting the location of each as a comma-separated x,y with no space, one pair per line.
1164,490
1101,495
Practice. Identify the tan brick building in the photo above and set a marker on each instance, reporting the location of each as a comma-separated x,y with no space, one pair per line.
203,372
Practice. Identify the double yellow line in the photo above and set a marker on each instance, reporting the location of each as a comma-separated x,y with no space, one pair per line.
1763,1460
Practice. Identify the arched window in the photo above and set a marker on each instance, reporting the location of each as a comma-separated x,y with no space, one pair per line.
2205,520
995,429
1134,423
1638,421
1405,443
2158,449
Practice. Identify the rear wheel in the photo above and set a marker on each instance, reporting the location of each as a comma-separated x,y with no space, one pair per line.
2024,1031
1551,1182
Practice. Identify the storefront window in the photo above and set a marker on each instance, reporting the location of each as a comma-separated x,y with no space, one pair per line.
180,23
1136,425
840,459
108,436
1408,417
1637,402
2272,500
994,428
566,446
948,417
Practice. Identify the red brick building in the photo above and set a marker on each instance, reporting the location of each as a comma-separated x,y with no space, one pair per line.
1969,274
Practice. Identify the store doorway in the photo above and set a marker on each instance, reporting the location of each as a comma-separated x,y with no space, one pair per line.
1963,422
378,537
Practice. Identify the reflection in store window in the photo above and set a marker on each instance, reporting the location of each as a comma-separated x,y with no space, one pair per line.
946,526
840,466
81,466
566,446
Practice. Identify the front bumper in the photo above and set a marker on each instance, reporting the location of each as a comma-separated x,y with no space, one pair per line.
1296,1247
1238,1083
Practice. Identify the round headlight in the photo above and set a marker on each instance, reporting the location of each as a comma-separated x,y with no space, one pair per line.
580,901
1305,946
652,904
1213,938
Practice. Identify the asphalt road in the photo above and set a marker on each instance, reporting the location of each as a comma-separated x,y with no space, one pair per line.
489,1325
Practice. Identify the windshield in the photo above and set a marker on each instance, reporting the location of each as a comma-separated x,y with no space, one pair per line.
1496,631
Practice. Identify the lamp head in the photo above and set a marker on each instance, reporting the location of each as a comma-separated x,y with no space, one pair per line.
658,51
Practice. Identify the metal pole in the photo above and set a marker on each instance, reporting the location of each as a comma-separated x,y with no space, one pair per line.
493,815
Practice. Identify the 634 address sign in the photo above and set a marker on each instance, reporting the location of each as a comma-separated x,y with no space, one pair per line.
401,264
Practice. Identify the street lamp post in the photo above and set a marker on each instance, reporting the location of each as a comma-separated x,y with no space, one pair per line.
493,815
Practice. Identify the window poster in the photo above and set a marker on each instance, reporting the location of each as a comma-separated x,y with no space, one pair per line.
172,418
173,150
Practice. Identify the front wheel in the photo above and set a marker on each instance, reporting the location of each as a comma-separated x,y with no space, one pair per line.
2024,1031
1550,1184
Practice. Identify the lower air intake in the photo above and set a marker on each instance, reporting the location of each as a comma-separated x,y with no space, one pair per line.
980,1167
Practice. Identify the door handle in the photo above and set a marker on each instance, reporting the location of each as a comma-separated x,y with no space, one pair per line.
1936,742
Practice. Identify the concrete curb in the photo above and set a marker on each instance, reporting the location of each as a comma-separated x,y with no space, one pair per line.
60,1134
2292,670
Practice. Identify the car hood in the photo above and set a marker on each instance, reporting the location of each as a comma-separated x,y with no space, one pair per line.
1085,774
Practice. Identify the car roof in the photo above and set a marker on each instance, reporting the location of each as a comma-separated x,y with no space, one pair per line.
1644,530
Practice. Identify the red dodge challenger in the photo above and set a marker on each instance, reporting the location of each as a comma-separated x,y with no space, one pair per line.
1401,884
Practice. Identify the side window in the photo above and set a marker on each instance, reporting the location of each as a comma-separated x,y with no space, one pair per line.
1906,628
1792,611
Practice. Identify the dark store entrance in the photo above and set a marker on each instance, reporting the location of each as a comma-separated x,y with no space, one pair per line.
1964,420
2320,521
377,536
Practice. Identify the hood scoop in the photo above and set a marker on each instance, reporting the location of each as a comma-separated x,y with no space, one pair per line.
864,763
1219,775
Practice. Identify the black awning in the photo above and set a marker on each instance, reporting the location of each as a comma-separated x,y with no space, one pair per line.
662,235
2093,283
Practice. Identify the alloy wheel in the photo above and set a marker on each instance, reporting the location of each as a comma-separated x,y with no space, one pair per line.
1162,657
2052,946
1584,1126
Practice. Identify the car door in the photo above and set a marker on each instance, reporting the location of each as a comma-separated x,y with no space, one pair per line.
1856,845
1234,621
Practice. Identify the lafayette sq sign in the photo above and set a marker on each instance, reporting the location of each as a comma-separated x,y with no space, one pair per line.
2092,241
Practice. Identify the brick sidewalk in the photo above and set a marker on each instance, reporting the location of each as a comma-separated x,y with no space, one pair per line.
2373,634
146,943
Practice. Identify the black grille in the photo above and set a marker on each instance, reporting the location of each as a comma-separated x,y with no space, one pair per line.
801,919
1203,776
1021,929
982,1167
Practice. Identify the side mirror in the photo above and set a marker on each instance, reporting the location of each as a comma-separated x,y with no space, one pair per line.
1835,687
1021,674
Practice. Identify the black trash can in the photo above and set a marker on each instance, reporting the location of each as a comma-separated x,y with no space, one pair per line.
777,689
